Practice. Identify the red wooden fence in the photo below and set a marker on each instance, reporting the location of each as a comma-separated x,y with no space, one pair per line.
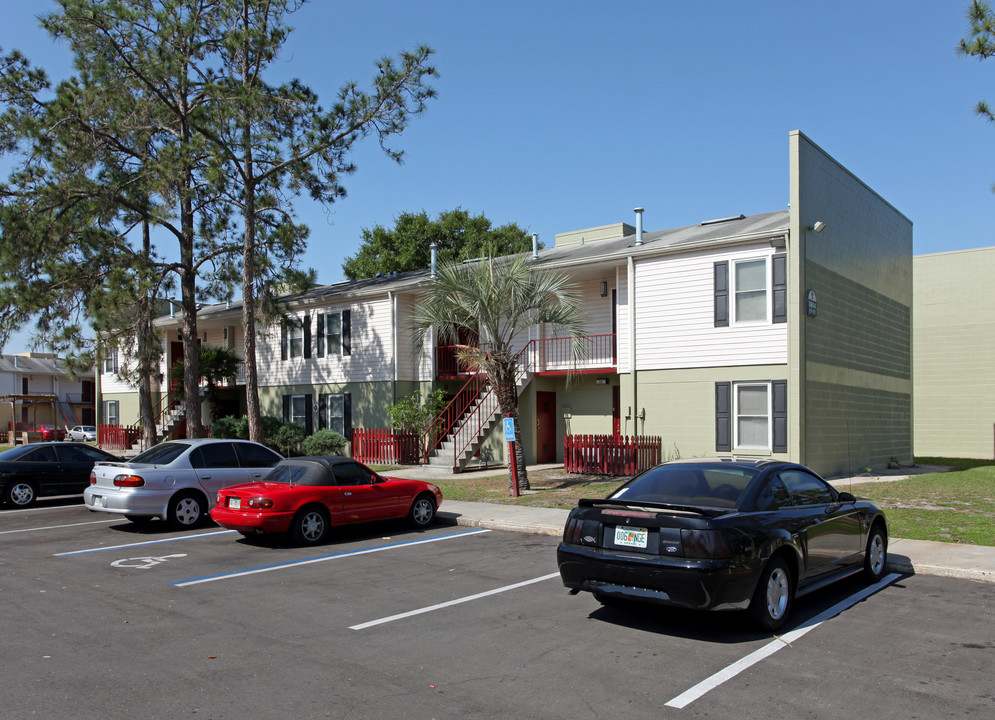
385,446
610,454
115,437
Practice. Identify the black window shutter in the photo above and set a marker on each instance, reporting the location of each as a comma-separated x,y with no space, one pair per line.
307,335
321,334
347,333
780,408
723,416
779,286
322,411
347,414
286,408
308,414
283,341
722,294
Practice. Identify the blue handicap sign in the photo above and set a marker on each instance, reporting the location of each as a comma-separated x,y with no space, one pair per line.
509,429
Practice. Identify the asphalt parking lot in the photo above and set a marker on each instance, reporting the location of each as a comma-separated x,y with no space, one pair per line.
103,619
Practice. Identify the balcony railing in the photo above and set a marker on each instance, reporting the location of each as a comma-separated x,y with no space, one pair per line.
551,356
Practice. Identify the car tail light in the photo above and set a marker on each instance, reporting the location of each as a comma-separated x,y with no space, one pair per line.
705,544
128,481
259,503
93,478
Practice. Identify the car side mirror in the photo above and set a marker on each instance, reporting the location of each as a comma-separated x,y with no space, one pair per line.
847,498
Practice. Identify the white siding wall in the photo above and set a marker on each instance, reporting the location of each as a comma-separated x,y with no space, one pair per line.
411,366
675,316
372,349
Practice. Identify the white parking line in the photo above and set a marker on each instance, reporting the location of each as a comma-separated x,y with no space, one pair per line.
323,558
450,603
47,507
56,527
689,696
147,542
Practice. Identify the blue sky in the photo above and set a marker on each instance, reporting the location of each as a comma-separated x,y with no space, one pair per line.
566,115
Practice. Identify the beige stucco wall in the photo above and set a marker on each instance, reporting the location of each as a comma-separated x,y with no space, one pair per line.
851,365
954,354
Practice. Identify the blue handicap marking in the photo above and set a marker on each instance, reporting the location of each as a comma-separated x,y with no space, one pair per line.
509,429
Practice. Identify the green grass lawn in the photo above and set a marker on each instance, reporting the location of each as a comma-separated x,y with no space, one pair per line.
957,506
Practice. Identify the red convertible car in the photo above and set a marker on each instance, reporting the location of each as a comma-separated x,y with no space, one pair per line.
307,495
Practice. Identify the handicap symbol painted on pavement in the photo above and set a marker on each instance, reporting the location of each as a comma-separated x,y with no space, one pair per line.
144,563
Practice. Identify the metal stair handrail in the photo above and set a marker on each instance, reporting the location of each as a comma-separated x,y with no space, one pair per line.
469,429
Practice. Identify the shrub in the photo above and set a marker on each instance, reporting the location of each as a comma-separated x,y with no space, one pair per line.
288,439
410,414
271,426
230,428
325,442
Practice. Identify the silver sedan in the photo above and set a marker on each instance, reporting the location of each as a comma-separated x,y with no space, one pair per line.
176,480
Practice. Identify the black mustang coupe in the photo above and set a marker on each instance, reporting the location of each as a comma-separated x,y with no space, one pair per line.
721,534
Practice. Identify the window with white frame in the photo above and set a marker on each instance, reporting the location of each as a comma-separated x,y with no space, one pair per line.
752,411
333,333
110,360
750,282
298,410
335,413
111,412
295,340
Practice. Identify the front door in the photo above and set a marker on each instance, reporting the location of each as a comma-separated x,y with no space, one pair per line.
546,427
616,410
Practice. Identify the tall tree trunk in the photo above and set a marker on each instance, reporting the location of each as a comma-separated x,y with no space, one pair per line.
188,303
147,354
249,311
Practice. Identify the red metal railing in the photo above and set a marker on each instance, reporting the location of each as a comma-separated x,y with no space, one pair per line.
610,454
459,406
385,446
556,355
167,403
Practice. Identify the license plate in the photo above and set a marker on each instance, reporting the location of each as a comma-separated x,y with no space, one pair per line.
98,501
630,536
235,503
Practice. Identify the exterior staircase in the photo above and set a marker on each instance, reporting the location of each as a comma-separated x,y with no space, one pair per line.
470,430
168,420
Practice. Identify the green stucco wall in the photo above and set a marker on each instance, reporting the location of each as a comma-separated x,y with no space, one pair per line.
954,351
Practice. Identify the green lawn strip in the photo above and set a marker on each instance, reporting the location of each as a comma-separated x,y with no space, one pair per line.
956,506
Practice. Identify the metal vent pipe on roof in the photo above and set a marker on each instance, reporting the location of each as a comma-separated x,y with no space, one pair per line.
535,246
435,257
639,225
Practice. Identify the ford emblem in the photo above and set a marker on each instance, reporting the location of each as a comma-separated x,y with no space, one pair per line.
671,548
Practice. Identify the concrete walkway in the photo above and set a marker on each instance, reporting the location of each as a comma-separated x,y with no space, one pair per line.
908,556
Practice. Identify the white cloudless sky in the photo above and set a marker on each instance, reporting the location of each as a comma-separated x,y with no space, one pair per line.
563,115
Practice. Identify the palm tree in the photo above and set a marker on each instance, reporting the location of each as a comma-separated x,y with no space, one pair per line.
500,300
214,363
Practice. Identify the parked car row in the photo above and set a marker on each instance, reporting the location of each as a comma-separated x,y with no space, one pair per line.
721,534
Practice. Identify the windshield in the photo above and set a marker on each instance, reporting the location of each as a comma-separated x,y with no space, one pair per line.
161,454
703,484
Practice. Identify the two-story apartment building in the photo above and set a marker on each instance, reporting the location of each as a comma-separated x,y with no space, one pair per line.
785,334
38,389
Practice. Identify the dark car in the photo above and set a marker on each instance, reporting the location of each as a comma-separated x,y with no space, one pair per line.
52,468
721,534
305,496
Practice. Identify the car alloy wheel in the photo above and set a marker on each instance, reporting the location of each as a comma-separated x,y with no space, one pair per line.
876,556
20,493
310,526
772,599
422,511
186,511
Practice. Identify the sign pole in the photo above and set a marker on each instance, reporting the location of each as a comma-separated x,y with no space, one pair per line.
509,435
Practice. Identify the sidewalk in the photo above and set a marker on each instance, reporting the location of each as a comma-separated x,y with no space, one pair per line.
920,557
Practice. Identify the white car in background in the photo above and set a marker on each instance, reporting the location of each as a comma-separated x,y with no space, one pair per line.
176,480
83,433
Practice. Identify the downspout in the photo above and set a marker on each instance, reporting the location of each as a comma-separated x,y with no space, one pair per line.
631,291
392,299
